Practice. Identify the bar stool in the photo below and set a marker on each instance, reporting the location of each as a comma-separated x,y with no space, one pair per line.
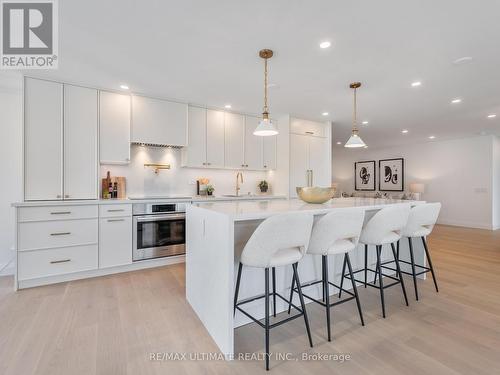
335,233
279,240
383,228
421,222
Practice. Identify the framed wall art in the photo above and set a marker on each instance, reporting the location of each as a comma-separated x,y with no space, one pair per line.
364,175
391,174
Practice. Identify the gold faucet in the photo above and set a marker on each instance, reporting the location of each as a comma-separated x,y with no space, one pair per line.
239,178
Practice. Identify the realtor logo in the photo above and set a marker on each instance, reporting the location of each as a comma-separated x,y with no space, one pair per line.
29,34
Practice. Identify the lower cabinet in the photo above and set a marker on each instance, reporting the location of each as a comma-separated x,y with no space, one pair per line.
115,241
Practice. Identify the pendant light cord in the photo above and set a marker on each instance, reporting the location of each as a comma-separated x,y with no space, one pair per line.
355,122
265,86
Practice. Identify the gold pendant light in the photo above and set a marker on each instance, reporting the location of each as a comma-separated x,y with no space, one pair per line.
355,140
266,126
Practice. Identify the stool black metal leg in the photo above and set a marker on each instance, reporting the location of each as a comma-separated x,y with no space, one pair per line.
274,291
354,288
342,277
400,275
366,263
291,294
379,270
302,304
412,260
397,251
327,298
267,315
323,278
430,263
237,289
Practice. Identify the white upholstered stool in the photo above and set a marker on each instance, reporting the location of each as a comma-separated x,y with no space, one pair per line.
335,233
384,228
279,240
421,222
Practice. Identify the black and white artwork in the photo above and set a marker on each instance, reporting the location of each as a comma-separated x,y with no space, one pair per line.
391,174
364,175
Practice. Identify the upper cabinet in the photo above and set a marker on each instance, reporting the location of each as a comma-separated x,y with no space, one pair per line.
253,144
269,152
80,142
234,140
114,128
195,155
60,141
43,129
156,121
300,126
215,138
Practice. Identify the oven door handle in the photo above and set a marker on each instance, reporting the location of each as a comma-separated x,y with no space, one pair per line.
151,218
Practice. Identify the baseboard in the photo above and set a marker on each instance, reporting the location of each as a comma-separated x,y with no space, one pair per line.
467,224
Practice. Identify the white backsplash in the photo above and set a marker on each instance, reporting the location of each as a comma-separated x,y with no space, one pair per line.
177,180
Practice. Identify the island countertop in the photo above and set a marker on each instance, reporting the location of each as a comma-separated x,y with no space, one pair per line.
256,210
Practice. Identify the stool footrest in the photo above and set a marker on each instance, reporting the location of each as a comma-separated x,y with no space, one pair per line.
311,283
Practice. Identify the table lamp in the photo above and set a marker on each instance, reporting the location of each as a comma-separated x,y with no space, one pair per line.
416,189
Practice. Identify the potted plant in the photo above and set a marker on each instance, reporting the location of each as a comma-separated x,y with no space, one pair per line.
263,186
210,189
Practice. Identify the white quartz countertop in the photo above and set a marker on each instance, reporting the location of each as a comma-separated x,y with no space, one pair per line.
195,199
255,210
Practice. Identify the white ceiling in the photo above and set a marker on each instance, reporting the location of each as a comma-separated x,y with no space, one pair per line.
206,52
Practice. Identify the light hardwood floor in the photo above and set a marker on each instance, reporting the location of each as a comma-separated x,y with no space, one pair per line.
110,325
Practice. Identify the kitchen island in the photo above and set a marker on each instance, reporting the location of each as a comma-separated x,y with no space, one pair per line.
216,235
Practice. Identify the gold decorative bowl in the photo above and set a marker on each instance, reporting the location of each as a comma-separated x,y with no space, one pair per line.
315,194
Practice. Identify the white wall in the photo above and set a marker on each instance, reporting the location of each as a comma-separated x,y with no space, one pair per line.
457,173
177,180
496,183
10,160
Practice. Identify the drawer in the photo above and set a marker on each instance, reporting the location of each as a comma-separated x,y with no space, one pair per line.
307,127
50,262
61,233
115,210
57,213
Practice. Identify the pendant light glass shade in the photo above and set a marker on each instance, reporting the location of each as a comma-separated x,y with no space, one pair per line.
355,140
266,127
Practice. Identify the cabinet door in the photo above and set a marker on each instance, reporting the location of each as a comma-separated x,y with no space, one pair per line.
299,163
234,140
269,154
307,127
215,138
195,154
319,161
114,128
158,121
43,125
115,241
80,143
253,144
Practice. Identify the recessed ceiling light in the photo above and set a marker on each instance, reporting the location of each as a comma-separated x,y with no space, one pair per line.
416,84
227,106
404,131
463,60
492,115
457,100
325,113
365,122
325,44
339,143
432,137
124,87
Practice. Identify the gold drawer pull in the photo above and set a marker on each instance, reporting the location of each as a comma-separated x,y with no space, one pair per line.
113,220
60,213
60,234
60,261
309,132
116,210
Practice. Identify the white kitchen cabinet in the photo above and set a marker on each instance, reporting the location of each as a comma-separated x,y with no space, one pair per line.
114,128
115,241
253,144
80,143
195,154
307,127
156,121
269,152
43,132
215,138
310,159
234,140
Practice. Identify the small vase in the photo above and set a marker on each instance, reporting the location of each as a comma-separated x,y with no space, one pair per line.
209,192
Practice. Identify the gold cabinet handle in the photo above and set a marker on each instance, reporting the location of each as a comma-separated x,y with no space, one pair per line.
60,261
116,210
60,213
113,220
310,133
66,196
60,234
